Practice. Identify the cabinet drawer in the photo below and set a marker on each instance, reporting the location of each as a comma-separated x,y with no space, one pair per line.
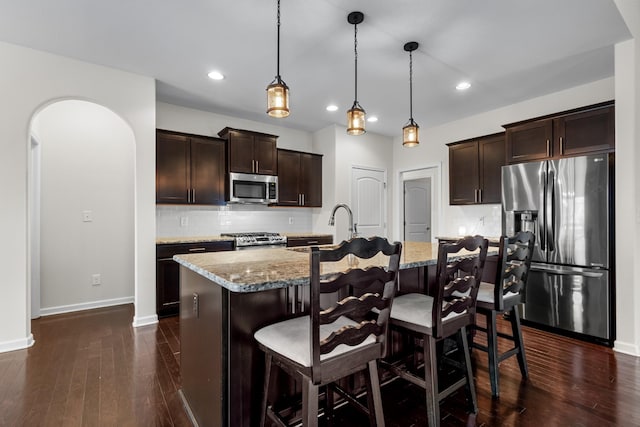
171,249
308,241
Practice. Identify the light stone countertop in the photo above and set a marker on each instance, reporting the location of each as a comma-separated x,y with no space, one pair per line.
263,269
192,239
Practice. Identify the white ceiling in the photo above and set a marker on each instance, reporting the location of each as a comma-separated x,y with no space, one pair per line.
510,50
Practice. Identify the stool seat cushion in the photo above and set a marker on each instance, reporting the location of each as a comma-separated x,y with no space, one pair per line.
416,309
486,295
290,338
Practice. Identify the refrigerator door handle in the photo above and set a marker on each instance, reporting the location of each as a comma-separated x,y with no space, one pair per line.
566,272
550,211
541,221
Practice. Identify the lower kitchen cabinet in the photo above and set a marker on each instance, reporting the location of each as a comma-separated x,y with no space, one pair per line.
168,272
309,240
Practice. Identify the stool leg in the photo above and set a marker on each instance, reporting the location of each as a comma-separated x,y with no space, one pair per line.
265,393
431,381
376,415
309,403
471,389
492,349
329,415
517,337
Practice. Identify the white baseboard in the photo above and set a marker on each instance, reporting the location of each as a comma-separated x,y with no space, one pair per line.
20,344
85,306
144,320
626,348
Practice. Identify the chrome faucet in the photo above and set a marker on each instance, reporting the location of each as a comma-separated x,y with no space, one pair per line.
353,232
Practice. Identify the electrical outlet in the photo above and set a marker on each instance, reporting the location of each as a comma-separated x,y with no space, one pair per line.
95,279
87,216
184,221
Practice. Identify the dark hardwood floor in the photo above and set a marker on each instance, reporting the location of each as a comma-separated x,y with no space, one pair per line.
92,368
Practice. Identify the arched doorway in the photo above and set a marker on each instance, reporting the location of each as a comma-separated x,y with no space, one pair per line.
82,221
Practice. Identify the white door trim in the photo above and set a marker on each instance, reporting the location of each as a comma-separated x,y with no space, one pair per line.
434,172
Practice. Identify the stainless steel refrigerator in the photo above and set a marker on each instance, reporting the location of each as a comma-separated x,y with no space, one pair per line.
568,204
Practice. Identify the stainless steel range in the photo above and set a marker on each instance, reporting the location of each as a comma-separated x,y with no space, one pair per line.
257,240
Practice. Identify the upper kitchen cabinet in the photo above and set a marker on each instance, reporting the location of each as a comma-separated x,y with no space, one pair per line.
299,179
189,169
570,133
250,152
474,170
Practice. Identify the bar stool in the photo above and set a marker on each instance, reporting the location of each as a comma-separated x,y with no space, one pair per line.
503,296
446,312
332,343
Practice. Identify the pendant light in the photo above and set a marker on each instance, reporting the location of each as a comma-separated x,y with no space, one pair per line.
356,115
278,91
410,130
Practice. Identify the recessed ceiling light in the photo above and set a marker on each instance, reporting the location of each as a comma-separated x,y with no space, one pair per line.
216,75
332,107
372,119
463,85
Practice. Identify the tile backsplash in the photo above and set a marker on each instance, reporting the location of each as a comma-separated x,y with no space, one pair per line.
485,220
187,221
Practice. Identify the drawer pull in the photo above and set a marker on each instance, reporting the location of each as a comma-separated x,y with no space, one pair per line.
312,242
197,249
171,303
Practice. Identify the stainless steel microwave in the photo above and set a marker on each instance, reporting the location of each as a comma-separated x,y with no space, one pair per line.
252,188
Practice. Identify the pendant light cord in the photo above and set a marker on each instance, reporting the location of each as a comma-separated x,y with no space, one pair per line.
411,86
278,50
355,50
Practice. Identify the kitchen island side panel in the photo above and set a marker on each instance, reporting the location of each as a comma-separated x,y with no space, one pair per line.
201,347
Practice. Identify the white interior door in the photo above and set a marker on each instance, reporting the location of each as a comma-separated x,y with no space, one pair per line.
417,210
369,196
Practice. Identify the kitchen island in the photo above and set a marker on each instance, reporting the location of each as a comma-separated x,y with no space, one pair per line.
224,298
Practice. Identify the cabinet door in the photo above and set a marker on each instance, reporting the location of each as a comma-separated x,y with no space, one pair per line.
585,132
264,153
463,173
172,168
491,160
288,178
311,180
167,287
529,141
207,171
241,152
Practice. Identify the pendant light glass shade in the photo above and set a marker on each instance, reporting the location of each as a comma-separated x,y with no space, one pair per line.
278,91
355,120
410,134
278,99
410,137
356,115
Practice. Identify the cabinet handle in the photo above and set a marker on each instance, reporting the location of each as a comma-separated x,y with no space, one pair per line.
548,148
312,242
170,303
303,200
561,146
475,195
193,198
480,195
197,249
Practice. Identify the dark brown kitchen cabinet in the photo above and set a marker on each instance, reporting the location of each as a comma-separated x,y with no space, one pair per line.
189,169
474,170
309,240
250,152
581,131
299,179
168,272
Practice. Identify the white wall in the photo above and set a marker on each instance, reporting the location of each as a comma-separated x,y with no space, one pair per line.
481,219
627,88
87,165
342,152
31,80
